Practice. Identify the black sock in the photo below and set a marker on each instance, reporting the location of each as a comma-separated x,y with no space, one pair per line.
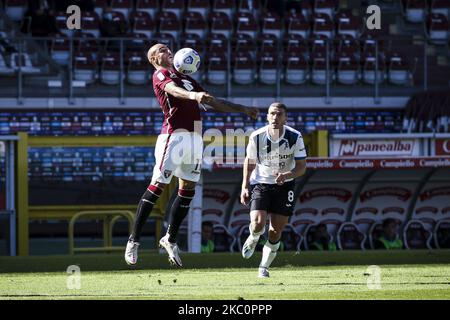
144,208
178,212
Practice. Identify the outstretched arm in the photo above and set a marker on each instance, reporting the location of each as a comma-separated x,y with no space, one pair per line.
180,93
227,106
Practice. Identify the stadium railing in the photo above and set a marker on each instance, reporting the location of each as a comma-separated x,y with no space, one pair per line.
404,69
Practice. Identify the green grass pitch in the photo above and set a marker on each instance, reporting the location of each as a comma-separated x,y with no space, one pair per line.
307,275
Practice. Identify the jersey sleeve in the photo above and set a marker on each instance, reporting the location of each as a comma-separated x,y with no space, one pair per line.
251,149
162,78
300,150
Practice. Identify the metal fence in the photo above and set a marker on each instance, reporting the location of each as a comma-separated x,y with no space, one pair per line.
404,66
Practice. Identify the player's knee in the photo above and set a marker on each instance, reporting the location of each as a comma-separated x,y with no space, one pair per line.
159,185
186,196
257,225
274,234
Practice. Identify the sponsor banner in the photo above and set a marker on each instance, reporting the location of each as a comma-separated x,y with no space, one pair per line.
442,147
341,194
398,192
438,191
375,147
367,163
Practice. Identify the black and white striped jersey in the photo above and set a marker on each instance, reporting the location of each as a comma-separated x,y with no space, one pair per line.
273,157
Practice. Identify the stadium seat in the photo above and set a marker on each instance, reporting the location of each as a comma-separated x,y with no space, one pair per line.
346,44
99,5
61,24
437,28
414,10
15,9
347,70
375,231
297,70
370,73
220,23
440,7
200,6
398,70
348,24
122,6
300,225
307,9
166,38
268,68
416,236
271,24
327,7
192,40
4,68
60,49
269,43
246,23
85,67
322,25
137,68
149,6
309,236
90,23
296,44
142,22
217,42
442,234
225,6
245,43
213,215
224,241
87,43
318,45
195,23
175,6
217,69
297,24
291,239
319,70
23,62
244,67
349,237
169,23
251,6
110,69
237,220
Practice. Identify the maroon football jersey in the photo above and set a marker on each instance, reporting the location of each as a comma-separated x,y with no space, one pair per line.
178,113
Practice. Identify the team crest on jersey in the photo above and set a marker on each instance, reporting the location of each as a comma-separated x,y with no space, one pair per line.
167,173
160,76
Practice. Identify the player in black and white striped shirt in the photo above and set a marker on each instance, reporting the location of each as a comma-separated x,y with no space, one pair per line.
276,155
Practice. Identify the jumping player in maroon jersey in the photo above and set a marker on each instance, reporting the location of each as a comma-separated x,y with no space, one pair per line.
179,148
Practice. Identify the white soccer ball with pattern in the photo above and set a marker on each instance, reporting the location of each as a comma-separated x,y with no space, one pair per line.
186,61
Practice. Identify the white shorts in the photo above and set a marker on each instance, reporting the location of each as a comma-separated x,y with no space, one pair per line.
178,154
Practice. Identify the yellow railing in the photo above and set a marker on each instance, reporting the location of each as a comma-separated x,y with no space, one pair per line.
109,217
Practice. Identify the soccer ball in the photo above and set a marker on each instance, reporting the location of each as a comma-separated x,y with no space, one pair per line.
186,61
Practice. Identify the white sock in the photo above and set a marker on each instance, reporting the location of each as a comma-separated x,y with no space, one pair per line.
269,253
255,235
